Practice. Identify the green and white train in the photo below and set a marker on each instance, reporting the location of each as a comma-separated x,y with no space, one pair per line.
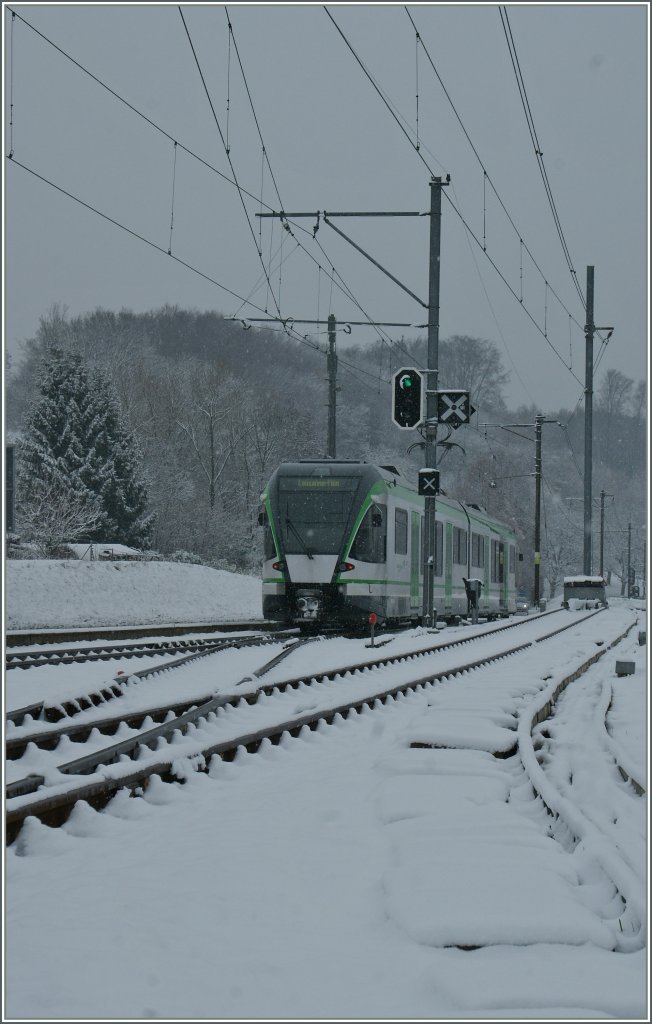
344,539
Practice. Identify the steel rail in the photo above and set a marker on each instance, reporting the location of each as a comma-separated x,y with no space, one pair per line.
20,637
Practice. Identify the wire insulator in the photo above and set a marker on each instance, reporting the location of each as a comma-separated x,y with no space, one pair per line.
228,87
417,82
484,211
174,178
11,89
521,249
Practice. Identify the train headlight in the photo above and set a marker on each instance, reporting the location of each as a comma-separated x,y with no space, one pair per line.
345,566
279,566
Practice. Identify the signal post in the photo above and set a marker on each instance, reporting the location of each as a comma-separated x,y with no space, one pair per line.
451,408
403,411
432,383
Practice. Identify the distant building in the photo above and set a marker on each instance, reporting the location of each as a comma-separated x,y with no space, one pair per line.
97,552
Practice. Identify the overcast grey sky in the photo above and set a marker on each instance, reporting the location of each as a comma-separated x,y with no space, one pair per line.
333,145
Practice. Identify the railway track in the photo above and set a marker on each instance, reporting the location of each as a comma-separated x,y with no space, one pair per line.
53,712
31,637
189,739
613,831
107,652
576,851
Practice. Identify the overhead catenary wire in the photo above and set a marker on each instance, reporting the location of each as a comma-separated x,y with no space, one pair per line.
559,508
131,106
258,250
178,144
135,234
336,278
251,104
495,319
228,156
504,17
130,231
157,128
486,176
450,201
511,290
285,220
564,430
360,369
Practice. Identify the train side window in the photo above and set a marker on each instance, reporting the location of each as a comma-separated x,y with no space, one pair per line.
512,559
369,543
477,550
459,546
439,549
400,531
496,561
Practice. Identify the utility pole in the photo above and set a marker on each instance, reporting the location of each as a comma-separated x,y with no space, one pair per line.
537,507
331,356
538,461
603,495
432,383
332,389
588,421
629,559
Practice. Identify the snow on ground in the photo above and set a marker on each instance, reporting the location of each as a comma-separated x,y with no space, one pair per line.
327,877
44,593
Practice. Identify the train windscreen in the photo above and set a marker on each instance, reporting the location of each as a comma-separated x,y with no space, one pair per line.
315,513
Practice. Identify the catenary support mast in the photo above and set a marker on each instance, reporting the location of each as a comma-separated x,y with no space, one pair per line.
432,383
588,422
332,389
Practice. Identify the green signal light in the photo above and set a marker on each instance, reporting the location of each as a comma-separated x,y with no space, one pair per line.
408,383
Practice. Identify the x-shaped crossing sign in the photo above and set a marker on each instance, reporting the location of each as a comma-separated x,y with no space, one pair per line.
429,482
454,408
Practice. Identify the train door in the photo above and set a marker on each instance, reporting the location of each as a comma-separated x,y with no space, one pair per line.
448,576
503,574
415,551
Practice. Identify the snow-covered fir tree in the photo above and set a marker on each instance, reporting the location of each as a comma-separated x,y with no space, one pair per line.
75,439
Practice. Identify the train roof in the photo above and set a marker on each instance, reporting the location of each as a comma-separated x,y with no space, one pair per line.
341,467
371,472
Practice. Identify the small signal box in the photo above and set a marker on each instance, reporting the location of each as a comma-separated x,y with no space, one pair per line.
429,482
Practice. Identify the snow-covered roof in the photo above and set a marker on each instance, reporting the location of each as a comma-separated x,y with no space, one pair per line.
83,551
589,580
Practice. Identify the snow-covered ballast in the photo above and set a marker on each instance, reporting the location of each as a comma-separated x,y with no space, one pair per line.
588,591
